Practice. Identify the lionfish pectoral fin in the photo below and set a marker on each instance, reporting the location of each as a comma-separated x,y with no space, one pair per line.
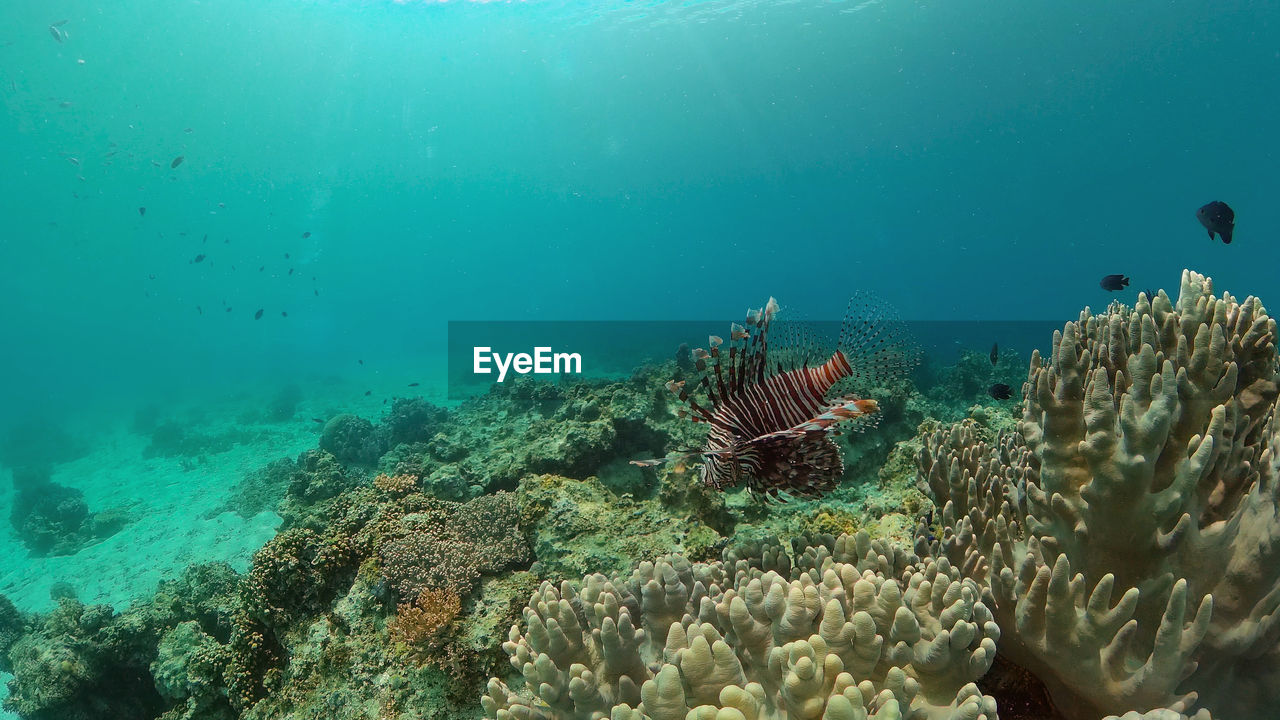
797,462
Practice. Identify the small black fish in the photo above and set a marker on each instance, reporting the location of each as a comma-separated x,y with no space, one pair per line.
205,239
1114,283
198,258
286,256
228,309
367,393
55,32
319,420
1000,391
258,315
317,293
177,161
290,271
995,353
413,384
306,235
1151,294
1218,217
199,309
360,361
284,314
142,211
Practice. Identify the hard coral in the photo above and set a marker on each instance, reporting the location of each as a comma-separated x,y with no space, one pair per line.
448,546
420,619
853,630
1126,536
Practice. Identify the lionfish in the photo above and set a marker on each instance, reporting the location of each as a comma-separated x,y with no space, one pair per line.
773,407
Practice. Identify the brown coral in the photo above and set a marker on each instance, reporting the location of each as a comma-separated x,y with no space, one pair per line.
418,620
448,546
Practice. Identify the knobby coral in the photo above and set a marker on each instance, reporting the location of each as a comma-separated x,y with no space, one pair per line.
853,629
1126,536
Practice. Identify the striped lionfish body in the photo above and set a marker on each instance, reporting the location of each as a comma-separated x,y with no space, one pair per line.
771,427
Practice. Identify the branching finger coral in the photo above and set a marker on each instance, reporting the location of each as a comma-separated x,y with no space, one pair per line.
1126,536
854,630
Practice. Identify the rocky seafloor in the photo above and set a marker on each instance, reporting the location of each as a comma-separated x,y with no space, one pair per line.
507,550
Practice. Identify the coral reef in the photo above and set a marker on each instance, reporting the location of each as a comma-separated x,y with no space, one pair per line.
851,629
53,519
85,662
1126,535
351,439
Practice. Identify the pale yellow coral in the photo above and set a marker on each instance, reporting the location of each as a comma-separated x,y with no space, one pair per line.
855,630
1126,536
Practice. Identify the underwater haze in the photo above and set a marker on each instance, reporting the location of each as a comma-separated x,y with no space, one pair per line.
227,225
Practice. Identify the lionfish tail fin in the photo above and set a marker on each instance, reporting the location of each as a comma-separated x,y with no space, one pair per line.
875,343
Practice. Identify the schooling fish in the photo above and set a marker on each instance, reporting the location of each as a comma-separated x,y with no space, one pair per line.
1114,283
1218,218
1000,391
177,161
258,315
995,353
773,403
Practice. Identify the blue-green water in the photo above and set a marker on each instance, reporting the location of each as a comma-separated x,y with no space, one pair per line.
596,161
362,173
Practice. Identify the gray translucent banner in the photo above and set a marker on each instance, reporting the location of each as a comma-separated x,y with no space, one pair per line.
481,352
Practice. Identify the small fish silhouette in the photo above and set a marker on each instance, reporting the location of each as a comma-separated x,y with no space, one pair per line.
995,353
258,315
1000,391
317,420
198,258
142,211
413,384
1218,218
177,161
306,235
1114,283
367,393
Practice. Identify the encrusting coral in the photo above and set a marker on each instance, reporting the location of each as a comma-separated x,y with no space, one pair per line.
850,629
1126,536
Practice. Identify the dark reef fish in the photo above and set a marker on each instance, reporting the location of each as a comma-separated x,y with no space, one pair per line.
1218,218
773,404
995,353
177,161
1114,283
258,315
1000,391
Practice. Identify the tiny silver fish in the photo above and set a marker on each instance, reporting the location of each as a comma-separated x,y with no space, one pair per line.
55,32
